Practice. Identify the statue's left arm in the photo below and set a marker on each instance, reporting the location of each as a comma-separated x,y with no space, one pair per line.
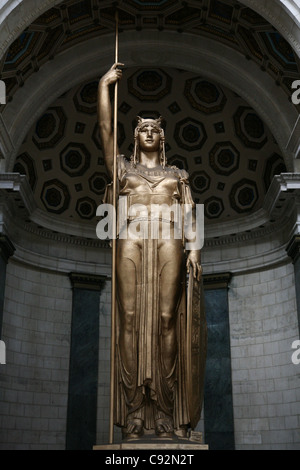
194,256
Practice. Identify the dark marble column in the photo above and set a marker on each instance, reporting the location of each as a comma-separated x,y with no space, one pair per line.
293,250
218,403
6,251
83,373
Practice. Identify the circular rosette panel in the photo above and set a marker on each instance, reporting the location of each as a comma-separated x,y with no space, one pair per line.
75,159
55,196
149,85
85,99
213,207
50,128
243,196
190,134
98,182
224,158
250,128
86,208
200,181
204,96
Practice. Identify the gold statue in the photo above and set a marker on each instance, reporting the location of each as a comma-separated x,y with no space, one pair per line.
151,390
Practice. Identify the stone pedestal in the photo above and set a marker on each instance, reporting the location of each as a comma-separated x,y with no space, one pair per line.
153,447
153,451
153,443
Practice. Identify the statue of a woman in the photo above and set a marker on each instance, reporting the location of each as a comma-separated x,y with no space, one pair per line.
150,387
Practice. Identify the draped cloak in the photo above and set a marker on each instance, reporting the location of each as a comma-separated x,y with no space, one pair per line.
147,390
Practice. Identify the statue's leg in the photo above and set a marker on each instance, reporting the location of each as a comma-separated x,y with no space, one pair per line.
171,268
126,277
128,260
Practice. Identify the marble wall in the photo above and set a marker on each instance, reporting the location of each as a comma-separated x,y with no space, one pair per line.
252,398
34,382
263,325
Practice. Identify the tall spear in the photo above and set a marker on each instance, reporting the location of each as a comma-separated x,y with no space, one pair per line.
114,247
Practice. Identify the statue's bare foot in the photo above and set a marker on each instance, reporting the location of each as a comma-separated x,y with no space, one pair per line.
164,427
135,428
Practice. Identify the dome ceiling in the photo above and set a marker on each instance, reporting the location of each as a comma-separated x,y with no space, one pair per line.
211,132
73,21
229,152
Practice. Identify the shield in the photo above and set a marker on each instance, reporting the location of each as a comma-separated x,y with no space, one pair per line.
196,348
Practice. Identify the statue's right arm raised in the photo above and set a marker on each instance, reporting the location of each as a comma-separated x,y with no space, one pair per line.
105,114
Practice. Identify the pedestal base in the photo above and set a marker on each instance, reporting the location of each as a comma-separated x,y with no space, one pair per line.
152,442
158,446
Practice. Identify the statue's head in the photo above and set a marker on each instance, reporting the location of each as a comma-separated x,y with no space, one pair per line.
156,124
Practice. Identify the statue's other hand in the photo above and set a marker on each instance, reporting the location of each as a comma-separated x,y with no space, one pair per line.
194,260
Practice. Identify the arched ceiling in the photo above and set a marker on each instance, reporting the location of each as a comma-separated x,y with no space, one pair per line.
229,151
211,132
72,22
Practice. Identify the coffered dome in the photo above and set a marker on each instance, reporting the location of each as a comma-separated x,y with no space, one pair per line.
218,72
211,132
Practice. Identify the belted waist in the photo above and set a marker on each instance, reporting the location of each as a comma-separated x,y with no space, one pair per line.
151,211
147,199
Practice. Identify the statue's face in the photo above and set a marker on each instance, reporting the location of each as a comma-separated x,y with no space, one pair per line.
149,137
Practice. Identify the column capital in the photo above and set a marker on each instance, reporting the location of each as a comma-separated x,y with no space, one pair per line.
217,280
87,281
7,249
293,248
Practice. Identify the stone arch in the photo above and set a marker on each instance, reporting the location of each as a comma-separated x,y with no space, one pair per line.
274,109
193,54
16,15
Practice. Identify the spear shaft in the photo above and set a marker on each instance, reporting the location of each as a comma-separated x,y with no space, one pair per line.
114,248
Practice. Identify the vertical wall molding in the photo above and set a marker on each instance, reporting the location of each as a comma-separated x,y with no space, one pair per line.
293,250
6,251
218,401
83,371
